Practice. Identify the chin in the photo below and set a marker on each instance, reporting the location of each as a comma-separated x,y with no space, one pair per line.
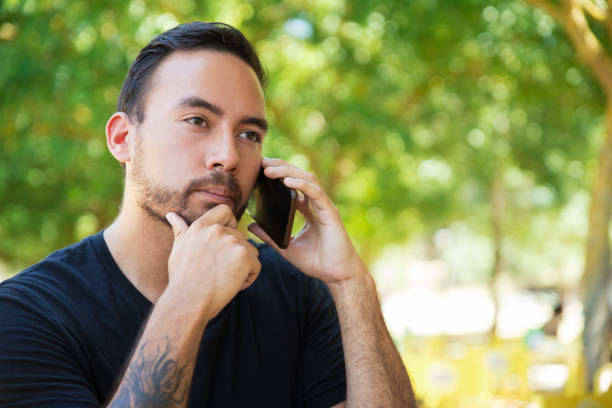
193,214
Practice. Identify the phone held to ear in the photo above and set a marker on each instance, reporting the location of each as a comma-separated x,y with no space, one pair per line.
272,206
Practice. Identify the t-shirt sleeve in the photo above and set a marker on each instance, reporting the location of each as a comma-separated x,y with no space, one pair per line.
324,371
38,367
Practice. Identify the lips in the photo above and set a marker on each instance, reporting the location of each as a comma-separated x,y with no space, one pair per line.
216,187
217,193
218,190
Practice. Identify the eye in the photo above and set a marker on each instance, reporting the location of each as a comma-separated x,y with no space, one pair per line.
250,135
196,121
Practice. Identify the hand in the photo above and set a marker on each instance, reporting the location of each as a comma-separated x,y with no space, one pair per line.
210,260
322,249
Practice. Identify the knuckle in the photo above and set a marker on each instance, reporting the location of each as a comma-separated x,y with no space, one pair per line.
241,251
199,223
228,240
311,177
216,229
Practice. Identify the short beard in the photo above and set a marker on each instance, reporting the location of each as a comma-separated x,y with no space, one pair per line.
157,200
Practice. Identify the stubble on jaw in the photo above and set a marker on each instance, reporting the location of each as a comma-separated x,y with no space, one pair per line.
157,200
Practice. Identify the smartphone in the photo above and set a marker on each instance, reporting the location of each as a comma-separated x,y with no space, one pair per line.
272,206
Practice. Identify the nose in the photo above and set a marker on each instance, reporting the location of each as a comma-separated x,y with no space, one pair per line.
222,153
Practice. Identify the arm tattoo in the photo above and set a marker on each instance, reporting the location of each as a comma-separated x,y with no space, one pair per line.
152,381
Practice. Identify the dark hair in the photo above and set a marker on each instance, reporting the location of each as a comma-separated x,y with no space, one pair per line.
184,37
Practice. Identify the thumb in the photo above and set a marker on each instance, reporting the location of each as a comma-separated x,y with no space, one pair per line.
177,223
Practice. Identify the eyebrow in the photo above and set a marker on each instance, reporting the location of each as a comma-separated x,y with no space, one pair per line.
196,102
259,122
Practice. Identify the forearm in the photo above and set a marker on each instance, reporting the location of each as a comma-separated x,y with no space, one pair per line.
376,375
160,369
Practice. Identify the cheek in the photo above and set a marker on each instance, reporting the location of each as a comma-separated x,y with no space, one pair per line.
173,151
250,171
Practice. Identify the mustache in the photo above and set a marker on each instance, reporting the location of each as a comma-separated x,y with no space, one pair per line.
218,178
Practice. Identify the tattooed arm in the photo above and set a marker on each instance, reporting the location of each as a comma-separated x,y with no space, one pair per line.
157,376
160,370
209,263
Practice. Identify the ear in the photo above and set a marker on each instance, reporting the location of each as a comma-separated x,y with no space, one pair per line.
117,131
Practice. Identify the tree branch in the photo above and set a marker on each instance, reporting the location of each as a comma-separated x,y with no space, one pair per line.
593,10
571,16
596,12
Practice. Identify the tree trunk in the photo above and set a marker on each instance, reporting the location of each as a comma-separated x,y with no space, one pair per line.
572,16
596,278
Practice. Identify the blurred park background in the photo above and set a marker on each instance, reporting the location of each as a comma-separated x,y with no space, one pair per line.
467,144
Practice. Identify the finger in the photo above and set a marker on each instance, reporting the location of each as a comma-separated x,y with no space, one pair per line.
303,206
270,161
275,172
251,276
310,190
256,230
219,214
177,223
252,247
249,280
239,238
242,239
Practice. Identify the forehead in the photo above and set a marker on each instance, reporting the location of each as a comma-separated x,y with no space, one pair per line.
218,77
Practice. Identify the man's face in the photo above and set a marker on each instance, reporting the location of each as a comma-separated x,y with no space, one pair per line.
200,142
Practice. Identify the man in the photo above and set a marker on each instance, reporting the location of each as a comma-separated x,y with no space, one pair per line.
171,306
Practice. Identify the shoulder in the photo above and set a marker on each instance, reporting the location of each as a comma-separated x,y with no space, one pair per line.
55,265
41,343
55,277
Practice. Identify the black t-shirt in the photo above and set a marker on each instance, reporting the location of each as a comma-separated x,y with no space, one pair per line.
69,323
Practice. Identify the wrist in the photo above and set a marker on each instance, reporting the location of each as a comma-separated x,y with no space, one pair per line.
360,282
183,304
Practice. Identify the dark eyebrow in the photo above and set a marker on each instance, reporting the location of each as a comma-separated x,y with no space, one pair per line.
259,122
195,102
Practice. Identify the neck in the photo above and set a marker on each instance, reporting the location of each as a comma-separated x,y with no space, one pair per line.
141,246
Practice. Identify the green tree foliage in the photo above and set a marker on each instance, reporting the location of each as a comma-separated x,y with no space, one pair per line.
406,110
